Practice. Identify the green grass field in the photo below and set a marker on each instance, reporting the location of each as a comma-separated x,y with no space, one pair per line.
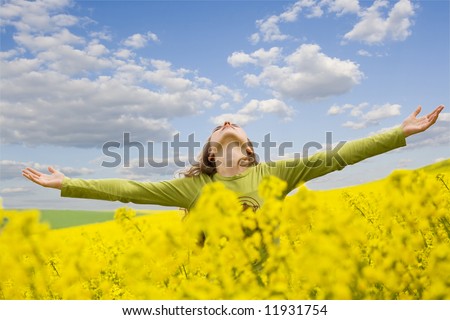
58,219
70,218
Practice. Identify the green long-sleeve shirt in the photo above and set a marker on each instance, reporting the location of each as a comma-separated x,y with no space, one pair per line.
184,192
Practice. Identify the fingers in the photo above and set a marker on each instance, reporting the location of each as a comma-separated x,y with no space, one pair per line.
35,176
432,117
435,114
438,110
32,179
417,111
32,175
33,171
51,170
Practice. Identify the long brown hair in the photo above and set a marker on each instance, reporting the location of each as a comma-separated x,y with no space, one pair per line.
205,165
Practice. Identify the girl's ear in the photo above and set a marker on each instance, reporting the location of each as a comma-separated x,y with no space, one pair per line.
249,150
212,154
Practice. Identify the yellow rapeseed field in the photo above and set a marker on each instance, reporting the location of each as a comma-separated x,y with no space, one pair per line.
389,240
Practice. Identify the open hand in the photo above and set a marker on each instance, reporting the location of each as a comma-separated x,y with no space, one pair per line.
53,180
413,125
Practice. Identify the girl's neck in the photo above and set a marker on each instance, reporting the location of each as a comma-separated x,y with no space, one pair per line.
229,172
228,161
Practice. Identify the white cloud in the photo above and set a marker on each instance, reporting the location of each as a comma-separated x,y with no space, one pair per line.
238,59
292,12
268,28
17,67
382,130
33,16
400,20
138,40
374,28
11,169
48,107
251,80
36,43
61,88
73,172
124,54
67,60
151,173
9,54
343,6
254,110
306,74
365,117
96,49
241,119
268,106
254,38
163,75
13,190
260,57
65,115
375,25
64,20
225,91
364,53
382,112
267,57
444,116
334,109
354,125
101,35
436,135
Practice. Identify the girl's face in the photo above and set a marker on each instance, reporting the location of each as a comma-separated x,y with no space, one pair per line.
228,132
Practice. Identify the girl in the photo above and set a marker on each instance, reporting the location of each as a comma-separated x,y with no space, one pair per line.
228,157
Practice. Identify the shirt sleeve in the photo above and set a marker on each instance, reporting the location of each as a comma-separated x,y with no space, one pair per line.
180,192
300,170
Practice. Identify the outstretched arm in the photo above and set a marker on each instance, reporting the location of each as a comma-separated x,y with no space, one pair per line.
321,163
413,125
174,193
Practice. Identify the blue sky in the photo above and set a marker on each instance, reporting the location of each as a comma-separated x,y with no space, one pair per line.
77,74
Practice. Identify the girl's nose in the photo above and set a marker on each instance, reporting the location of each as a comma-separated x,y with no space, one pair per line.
227,123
